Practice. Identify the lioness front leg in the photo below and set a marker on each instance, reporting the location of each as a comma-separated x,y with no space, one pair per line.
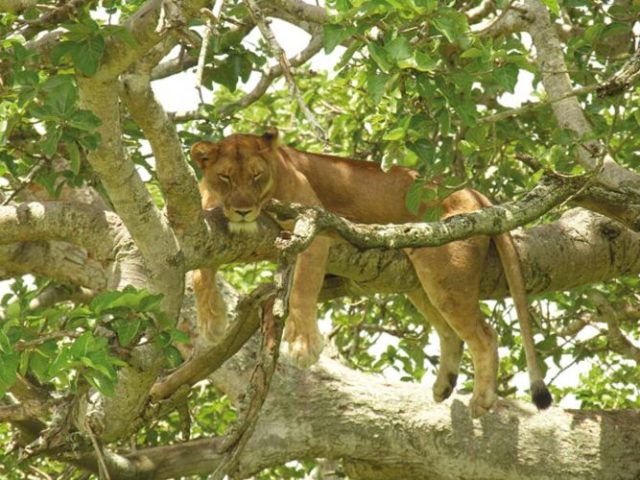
301,331
211,312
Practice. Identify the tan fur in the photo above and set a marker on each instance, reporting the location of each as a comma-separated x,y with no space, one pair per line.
242,172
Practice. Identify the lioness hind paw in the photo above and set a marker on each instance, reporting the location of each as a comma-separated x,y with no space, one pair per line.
481,404
303,351
443,388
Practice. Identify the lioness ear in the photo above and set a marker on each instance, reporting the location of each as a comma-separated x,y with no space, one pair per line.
202,151
271,136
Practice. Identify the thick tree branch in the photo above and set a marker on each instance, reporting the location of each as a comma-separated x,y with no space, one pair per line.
130,198
177,179
61,261
569,115
89,227
335,412
147,26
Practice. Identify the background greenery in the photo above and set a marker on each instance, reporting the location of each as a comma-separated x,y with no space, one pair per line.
413,87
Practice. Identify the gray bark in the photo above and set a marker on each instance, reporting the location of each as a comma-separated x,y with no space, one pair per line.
385,429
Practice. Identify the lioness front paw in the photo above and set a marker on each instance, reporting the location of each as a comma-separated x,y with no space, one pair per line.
304,350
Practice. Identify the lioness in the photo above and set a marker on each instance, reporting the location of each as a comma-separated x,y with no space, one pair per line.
242,172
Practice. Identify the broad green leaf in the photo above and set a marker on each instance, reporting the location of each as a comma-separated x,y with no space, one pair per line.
62,99
413,199
424,149
82,345
84,120
379,55
507,76
127,330
104,385
450,23
395,134
424,62
8,369
87,55
334,35
398,48
63,361
61,50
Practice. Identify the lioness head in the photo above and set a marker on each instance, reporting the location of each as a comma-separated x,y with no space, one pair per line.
239,171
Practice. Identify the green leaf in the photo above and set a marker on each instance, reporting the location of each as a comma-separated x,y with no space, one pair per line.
74,155
398,48
50,144
424,62
225,75
376,83
127,330
424,149
379,55
104,385
82,345
553,6
507,76
334,35
395,134
87,55
450,23
62,99
61,362
84,120
61,50
413,199
9,363
616,28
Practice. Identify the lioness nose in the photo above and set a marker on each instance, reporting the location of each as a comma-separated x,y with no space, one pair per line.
242,212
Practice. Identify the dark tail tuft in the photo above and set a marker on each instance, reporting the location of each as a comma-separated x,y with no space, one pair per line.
540,395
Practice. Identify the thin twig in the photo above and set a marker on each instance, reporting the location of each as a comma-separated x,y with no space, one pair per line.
532,106
103,471
210,28
271,333
280,55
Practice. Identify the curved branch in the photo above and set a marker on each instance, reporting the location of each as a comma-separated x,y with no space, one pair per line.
488,221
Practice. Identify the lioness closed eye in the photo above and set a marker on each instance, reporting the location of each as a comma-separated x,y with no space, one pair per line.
242,172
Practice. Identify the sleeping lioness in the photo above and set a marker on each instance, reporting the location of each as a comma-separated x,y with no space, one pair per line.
242,172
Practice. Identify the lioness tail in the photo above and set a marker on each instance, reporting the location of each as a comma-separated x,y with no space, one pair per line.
513,272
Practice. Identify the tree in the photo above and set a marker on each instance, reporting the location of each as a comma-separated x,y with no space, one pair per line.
97,373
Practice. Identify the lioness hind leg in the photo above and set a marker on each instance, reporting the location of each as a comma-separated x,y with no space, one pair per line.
211,311
301,330
450,275
450,346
